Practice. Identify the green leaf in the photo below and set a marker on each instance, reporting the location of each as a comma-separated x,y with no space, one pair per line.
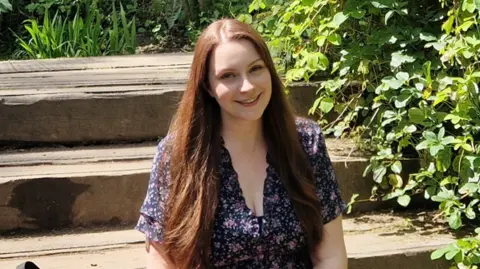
448,140
381,4
315,106
339,18
358,14
392,82
326,104
397,167
395,180
437,254
5,6
444,159
416,115
477,4
468,5
469,188
323,60
447,25
404,200
404,76
335,39
411,129
388,16
402,100
422,145
455,221
256,5
378,173
434,149
427,37
308,2
470,213
398,58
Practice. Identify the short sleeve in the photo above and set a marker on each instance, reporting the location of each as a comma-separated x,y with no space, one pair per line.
152,210
327,188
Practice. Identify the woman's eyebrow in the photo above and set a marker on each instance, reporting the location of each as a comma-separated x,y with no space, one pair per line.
226,69
259,59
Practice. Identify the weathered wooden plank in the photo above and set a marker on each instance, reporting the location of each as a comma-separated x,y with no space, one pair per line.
106,62
146,89
95,77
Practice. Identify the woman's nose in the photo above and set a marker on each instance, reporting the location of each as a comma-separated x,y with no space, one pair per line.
246,86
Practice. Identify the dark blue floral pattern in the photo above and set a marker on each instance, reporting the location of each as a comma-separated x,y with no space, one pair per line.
237,240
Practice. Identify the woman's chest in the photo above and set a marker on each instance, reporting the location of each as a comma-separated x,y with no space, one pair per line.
238,234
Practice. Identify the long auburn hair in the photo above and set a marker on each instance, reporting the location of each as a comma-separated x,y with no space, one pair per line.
195,155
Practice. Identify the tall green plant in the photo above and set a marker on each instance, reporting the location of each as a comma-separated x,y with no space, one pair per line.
79,37
402,77
5,6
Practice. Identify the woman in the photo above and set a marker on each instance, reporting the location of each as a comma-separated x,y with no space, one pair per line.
239,182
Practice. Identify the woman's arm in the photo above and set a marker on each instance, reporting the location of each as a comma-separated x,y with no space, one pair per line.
156,256
331,252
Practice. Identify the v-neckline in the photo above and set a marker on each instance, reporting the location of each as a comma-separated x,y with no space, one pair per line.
238,187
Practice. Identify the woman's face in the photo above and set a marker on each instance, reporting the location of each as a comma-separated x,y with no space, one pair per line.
239,80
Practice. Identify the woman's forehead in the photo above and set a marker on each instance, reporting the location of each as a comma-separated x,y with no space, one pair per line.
234,53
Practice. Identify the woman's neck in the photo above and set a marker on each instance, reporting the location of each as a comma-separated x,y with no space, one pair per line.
246,136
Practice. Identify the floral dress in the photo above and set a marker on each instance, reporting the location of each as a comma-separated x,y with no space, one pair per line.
241,239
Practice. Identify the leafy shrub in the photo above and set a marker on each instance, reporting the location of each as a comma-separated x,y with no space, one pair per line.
403,78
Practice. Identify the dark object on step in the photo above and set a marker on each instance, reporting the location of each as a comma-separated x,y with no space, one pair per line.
28,265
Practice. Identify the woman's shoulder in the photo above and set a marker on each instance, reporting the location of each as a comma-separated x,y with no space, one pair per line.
310,135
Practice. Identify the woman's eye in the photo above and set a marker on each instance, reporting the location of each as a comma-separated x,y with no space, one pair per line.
226,76
256,68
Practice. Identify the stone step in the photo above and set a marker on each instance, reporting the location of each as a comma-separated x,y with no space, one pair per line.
99,99
97,185
374,241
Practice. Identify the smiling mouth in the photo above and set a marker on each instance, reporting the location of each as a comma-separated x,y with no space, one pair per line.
249,101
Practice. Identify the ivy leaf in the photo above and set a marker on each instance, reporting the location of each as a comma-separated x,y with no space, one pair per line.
447,25
335,39
444,160
468,5
339,18
323,60
392,82
388,16
382,3
423,145
308,2
437,254
315,106
435,149
358,14
256,5
398,58
427,37
404,76
378,173
411,129
396,167
448,140
455,221
404,200
416,115
469,188
402,100
326,105
395,180
469,213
